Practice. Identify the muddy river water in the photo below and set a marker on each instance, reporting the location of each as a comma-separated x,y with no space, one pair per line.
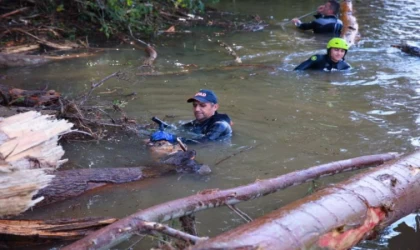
292,120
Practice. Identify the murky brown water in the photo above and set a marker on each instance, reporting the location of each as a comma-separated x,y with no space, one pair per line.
293,120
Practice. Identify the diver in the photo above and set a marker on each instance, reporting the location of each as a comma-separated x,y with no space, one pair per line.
334,59
209,125
326,21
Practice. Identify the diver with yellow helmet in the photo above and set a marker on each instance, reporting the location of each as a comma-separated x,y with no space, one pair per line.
334,59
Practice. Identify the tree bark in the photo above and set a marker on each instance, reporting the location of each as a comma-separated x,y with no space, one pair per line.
124,228
337,217
70,183
350,26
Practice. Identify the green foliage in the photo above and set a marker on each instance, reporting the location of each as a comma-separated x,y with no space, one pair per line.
114,16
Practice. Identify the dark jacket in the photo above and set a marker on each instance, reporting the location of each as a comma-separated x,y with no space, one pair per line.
216,128
322,62
324,25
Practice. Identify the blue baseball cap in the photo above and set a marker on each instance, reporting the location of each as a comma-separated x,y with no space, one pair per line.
204,95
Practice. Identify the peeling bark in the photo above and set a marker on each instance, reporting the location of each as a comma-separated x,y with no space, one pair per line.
337,217
350,29
124,228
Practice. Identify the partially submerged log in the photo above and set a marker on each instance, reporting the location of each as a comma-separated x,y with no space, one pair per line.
337,217
137,223
28,145
350,29
70,183
20,60
53,229
409,49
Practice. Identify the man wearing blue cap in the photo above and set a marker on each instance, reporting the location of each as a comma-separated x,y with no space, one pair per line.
209,125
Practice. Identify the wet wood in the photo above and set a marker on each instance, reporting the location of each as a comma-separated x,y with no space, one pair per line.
350,29
64,229
20,48
28,146
126,227
20,60
27,98
409,49
71,183
338,216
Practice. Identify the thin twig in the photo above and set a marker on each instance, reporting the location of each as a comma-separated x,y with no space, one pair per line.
158,227
98,84
140,41
241,214
236,153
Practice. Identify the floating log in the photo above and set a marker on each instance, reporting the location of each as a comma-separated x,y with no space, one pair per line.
409,49
71,183
337,217
350,28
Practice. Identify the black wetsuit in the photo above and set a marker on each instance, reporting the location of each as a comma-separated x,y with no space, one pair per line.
322,62
216,128
324,25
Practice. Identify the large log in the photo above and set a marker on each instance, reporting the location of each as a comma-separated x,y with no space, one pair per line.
350,29
70,183
137,223
337,217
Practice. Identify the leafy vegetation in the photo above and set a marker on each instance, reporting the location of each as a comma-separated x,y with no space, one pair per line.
113,16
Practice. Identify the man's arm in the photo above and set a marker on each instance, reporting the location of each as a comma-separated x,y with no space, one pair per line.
303,26
305,65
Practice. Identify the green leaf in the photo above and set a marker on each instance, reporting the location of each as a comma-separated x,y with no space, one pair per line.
60,8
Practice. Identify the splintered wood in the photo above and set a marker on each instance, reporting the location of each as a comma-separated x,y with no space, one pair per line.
28,146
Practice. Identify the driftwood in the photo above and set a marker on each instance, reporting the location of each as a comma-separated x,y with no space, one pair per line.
26,233
28,145
124,228
350,29
409,49
53,229
337,217
27,98
19,60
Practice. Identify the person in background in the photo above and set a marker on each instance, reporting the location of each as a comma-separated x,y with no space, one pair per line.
334,59
326,21
209,125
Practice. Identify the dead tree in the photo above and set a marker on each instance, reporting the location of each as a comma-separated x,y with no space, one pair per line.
138,222
337,217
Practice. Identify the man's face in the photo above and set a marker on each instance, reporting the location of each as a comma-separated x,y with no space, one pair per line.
204,110
327,10
337,54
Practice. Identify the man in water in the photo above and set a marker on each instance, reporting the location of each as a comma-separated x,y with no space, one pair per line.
326,21
334,59
209,125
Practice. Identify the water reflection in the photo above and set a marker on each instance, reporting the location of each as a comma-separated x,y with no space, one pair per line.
292,120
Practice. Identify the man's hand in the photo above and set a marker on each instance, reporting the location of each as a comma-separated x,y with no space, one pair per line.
162,135
296,21
320,9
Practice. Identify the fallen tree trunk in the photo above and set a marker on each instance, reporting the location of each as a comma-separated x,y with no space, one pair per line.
53,229
20,60
337,217
70,183
350,29
25,233
409,49
124,228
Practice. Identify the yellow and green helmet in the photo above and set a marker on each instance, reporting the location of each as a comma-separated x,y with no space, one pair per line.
338,43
